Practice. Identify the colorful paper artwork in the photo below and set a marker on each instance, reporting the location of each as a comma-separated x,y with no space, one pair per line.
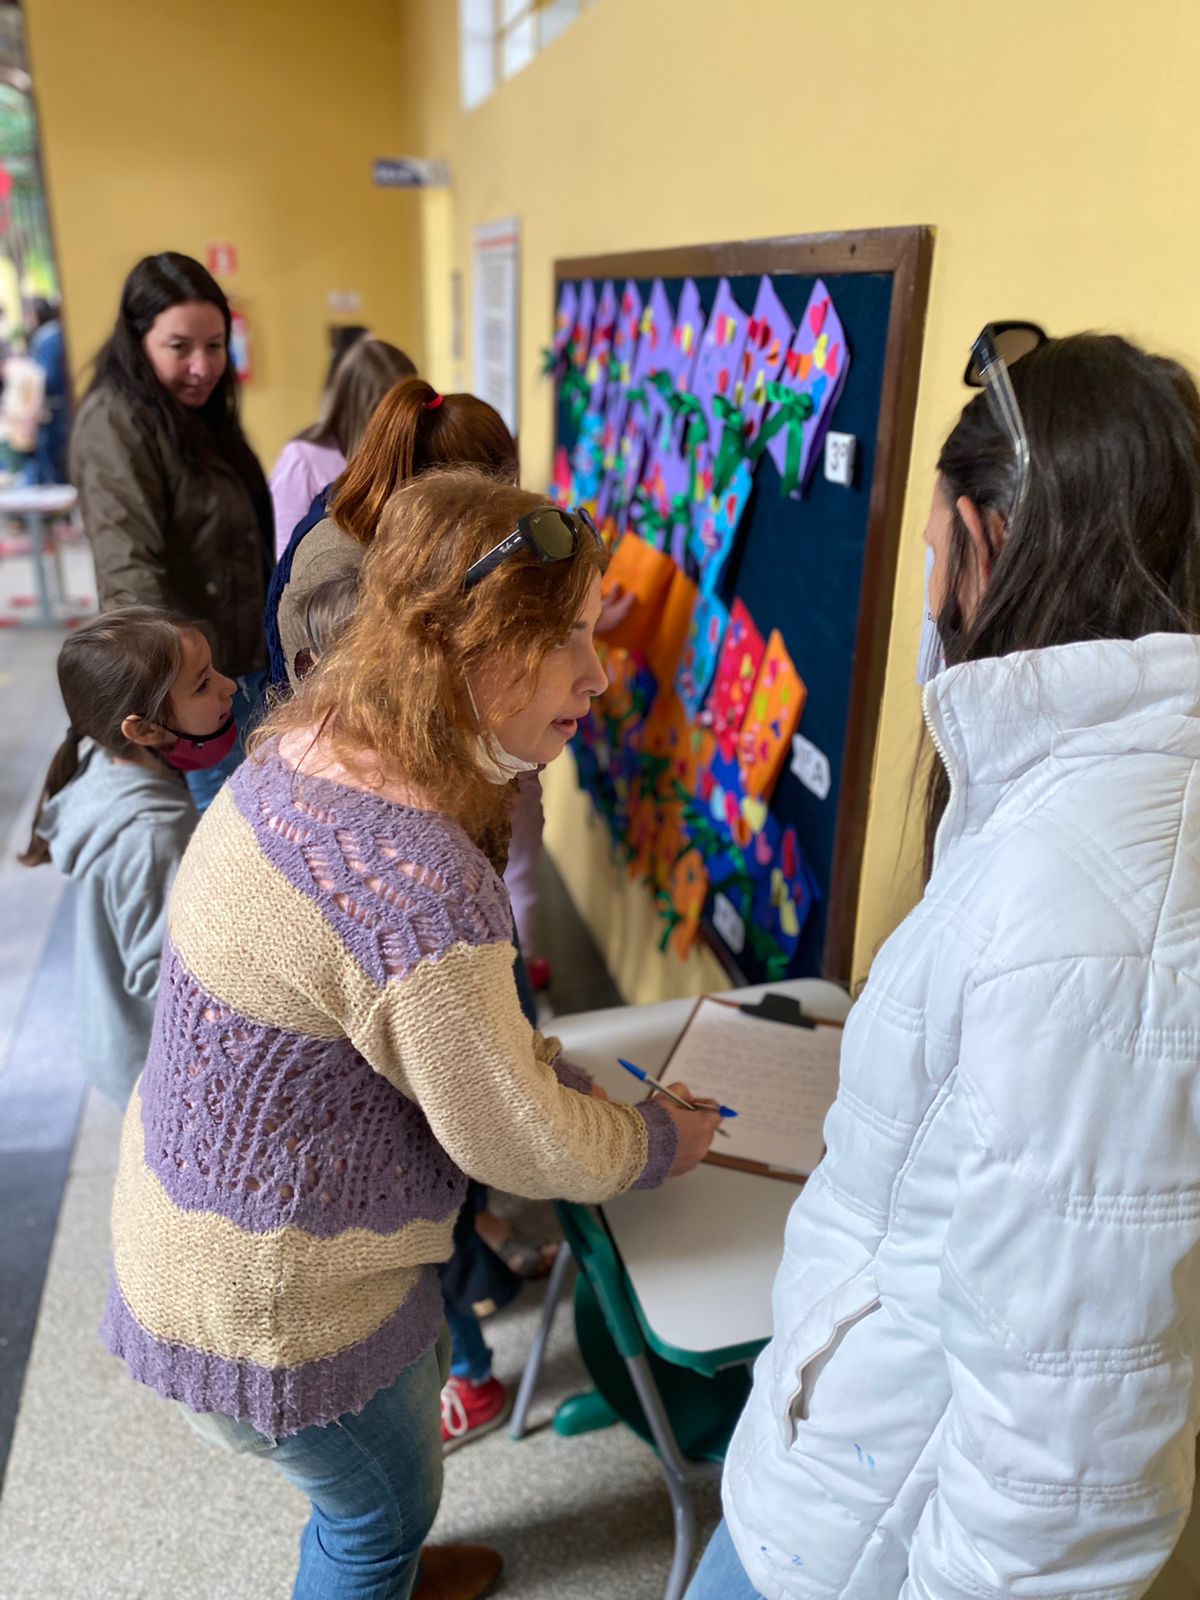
666,645
700,652
587,462
776,703
687,890
581,333
717,364
669,413
617,403
736,675
785,888
565,316
646,573
671,380
813,376
769,335
715,530
604,329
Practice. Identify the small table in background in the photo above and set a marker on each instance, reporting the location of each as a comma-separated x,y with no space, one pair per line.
38,508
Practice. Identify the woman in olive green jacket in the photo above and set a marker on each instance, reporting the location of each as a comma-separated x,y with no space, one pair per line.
174,500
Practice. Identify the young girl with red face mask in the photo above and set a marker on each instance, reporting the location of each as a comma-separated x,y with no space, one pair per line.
146,705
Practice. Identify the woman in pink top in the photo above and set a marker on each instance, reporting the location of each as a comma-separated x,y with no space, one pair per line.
317,456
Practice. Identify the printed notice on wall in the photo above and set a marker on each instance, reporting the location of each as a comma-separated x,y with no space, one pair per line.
496,330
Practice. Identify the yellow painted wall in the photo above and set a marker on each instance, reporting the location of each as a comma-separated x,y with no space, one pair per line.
167,125
1052,145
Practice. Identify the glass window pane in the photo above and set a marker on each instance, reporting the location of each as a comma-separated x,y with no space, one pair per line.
476,51
556,16
518,47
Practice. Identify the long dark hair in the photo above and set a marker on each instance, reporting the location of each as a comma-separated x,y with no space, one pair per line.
121,664
155,285
1106,541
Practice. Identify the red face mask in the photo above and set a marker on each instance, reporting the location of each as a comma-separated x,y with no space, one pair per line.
189,754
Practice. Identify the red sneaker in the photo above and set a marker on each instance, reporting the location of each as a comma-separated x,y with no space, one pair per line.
470,1409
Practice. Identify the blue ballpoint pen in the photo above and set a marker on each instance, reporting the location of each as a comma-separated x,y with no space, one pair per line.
661,1088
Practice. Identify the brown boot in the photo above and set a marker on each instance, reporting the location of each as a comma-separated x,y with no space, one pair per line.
456,1572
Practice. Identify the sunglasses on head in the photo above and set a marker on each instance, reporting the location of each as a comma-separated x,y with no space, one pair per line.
999,344
548,533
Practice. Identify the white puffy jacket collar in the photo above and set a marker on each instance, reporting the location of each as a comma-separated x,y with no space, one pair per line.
993,721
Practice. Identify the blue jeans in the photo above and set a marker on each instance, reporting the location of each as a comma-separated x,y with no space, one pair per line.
373,1479
720,1575
471,1357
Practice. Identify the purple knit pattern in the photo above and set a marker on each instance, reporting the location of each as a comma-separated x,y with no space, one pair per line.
664,1141
347,849
271,1129
279,1400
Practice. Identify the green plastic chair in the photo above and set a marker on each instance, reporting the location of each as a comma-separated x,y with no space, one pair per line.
684,1404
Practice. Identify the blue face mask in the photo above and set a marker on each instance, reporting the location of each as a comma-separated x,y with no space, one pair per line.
931,657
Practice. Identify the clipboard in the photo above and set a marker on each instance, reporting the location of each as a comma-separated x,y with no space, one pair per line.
820,1087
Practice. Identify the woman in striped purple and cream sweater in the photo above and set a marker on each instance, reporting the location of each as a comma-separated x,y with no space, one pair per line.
338,1042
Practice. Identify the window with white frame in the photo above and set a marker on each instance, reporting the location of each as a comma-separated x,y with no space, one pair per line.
496,38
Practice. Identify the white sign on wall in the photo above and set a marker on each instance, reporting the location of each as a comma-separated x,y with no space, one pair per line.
496,334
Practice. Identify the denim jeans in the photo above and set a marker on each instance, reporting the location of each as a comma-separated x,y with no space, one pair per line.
720,1575
471,1357
373,1479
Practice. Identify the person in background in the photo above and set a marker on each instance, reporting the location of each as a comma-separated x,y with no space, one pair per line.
22,410
46,351
366,371
339,1047
985,1372
411,429
145,704
173,498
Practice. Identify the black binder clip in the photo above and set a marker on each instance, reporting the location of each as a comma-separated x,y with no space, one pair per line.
778,1008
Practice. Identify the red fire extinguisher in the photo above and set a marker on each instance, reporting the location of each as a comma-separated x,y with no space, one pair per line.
239,346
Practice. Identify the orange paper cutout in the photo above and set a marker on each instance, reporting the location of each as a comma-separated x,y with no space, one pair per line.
666,647
688,888
646,573
775,706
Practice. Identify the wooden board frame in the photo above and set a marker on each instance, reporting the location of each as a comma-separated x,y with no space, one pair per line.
907,254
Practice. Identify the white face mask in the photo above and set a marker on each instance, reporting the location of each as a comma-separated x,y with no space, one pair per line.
500,765
931,657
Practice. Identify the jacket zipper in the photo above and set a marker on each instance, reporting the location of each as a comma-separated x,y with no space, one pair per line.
945,760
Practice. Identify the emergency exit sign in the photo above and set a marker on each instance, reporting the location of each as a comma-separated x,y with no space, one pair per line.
221,260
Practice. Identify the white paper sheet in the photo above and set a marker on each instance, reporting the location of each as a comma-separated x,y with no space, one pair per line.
780,1080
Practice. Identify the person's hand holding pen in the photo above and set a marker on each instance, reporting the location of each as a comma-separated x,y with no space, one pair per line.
696,1124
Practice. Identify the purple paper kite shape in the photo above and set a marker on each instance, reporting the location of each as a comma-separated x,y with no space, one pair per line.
717,364
604,327
769,335
565,316
581,333
816,365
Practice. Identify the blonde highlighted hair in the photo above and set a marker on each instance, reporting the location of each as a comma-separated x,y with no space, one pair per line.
391,697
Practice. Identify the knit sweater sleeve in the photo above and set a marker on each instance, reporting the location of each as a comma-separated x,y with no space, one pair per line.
451,1035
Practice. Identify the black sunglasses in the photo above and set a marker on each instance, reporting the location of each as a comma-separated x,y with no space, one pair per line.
550,534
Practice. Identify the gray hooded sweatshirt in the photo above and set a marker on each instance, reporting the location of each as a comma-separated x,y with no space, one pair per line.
118,832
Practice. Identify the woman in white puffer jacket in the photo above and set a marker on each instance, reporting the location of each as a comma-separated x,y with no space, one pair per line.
985,1375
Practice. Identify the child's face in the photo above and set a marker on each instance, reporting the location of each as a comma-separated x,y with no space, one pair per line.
201,697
